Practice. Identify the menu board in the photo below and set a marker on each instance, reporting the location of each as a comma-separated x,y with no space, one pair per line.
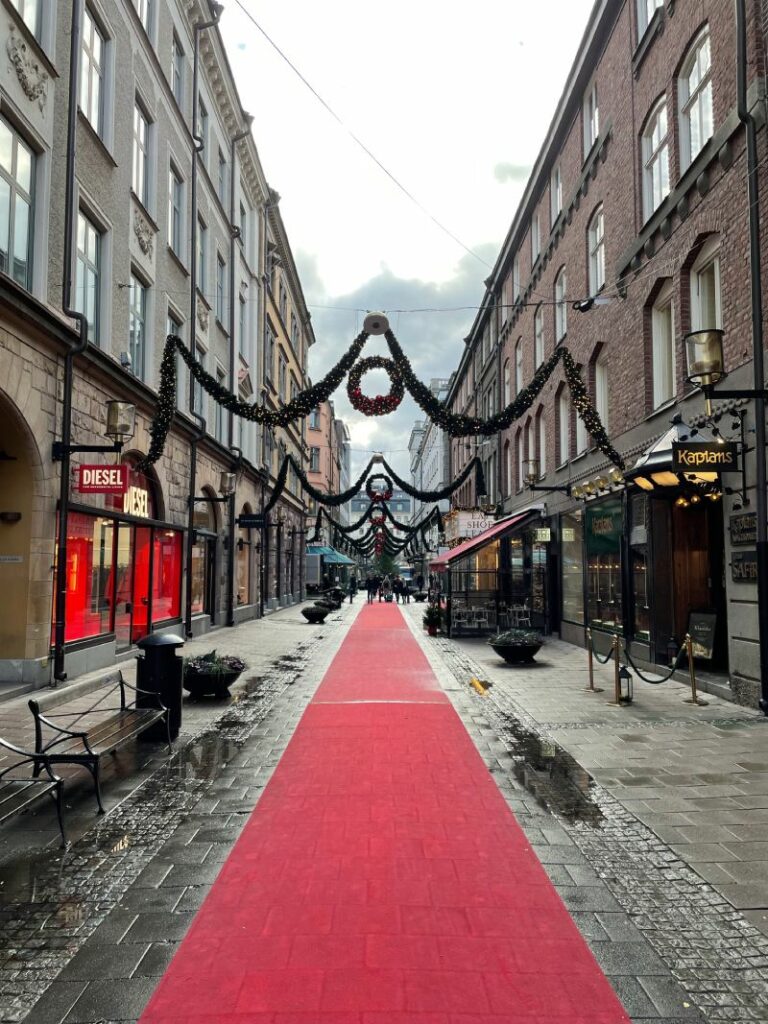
701,626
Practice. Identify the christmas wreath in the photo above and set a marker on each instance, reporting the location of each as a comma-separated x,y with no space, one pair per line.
381,404
375,494
378,520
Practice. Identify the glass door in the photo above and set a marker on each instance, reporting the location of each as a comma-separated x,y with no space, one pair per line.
142,557
123,584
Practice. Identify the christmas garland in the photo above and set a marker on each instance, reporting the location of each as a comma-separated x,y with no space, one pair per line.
381,404
378,495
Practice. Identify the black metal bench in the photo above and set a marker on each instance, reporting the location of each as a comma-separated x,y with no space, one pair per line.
18,791
84,736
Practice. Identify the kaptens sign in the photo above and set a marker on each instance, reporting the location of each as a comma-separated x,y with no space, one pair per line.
688,457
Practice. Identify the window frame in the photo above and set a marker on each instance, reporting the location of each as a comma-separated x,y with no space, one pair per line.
176,211
221,289
142,153
709,256
563,427
519,367
85,262
17,192
137,285
687,100
556,193
96,70
655,155
535,237
561,305
644,19
602,390
538,336
662,308
177,69
590,117
596,250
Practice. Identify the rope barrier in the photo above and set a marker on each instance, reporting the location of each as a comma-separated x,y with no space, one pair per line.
663,679
606,659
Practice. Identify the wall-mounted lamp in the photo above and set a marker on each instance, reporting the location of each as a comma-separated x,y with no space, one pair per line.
226,483
121,425
532,475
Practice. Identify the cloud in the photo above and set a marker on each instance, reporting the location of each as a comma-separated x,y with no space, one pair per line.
511,172
429,319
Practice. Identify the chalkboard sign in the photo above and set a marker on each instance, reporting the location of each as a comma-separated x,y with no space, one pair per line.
701,626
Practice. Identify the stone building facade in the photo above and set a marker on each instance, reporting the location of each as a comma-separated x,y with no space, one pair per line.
632,232
155,559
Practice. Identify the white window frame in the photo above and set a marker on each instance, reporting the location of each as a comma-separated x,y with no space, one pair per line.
177,70
516,278
695,103
18,196
30,12
89,253
655,147
602,390
174,325
596,251
138,305
535,237
142,153
176,211
93,73
538,337
242,326
221,288
507,383
520,444
222,178
220,424
591,118
541,431
561,305
202,254
530,436
645,12
564,426
582,435
556,193
663,347
200,394
518,366
708,259
145,9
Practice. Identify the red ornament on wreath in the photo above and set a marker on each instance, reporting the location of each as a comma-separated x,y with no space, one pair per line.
377,520
374,494
381,405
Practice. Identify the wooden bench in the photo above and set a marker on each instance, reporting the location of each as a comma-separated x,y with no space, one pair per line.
75,739
20,785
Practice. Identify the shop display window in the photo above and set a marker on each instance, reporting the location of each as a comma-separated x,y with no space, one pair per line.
244,569
166,575
572,546
199,576
603,537
90,552
642,612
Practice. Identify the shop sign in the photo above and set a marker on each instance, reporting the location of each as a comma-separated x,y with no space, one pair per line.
604,527
744,566
705,457
136,502
743,528
542,535
568,535
465,525
102,479
701,626
249,521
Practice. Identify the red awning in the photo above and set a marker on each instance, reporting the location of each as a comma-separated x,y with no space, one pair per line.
474,543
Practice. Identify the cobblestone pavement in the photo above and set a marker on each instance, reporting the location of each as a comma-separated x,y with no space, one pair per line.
681,949
94,929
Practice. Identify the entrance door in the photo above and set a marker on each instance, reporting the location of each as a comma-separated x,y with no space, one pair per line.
123,585
142,556
698,571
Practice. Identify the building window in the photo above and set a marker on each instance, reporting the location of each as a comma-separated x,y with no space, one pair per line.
202,125
519,366
507,384
541,430
294,334
269,355
556,194
563,427
645,11
561,306
137,326
30,15
221,288
596,243
530,432
535,238
538,337
92,74
695,96
202,255
283,302
314,419
222,179
314,460
582,436
243,226
141,142
663,341
17,165
177,70
601,391
199,393
655,159
88,277
282,379
144,11
175,212
173,326
221,380
705,289
516,278
591,118
241,326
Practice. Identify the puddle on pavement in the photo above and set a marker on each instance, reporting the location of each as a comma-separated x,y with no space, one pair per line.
552,776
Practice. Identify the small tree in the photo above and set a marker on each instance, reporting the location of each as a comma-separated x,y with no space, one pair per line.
385,565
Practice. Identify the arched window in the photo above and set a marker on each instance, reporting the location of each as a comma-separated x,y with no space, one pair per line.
655,144
561,307
695,99
563,426
601,390
541,433
706,311
538,337
507,383
509,468
530,431
519,366
520,460
596,244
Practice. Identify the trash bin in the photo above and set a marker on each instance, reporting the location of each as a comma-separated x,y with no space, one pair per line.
159,671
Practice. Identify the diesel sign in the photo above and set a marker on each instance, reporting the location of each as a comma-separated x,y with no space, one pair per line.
102,479
705,457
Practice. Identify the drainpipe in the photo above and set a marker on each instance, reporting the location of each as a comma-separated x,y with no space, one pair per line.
197,148
234,238
753,203
76,32
231,541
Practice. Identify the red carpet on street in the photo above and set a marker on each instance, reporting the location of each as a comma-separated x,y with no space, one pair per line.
382,879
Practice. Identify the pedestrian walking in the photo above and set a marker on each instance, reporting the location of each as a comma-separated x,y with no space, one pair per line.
352,588
386,589
397,589
420,582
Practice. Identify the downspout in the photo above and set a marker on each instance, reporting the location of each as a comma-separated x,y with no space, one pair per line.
59,674
197,147
231,541
753,203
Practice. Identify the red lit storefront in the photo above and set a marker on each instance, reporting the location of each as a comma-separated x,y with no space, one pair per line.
124,566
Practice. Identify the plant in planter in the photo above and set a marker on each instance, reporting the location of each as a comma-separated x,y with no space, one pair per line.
315,613
432,619
420,595
516,645
211,674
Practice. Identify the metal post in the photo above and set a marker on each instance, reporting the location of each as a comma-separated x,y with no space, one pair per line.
616,702
590,663
694,698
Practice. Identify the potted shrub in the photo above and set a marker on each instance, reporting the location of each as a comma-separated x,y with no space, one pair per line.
211,674
517,645
315,613
432,619
420,595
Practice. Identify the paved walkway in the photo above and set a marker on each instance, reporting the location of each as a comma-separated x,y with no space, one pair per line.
381,877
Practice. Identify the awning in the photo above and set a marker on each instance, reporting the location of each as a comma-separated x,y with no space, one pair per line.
330,555
467,547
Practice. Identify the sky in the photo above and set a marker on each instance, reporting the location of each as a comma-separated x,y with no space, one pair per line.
453,101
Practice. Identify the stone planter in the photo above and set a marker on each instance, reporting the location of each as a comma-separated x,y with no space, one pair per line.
420,595
315,614
516,653
209,684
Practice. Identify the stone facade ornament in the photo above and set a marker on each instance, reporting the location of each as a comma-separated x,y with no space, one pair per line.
144,233
32,78
202,314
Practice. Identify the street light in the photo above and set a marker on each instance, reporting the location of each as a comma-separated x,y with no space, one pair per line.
121,426
532,475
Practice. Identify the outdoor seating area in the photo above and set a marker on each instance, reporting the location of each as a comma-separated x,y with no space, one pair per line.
488,616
